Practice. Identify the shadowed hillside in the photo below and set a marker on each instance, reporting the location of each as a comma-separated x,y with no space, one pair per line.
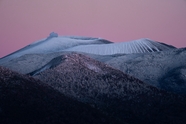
111,91
24,100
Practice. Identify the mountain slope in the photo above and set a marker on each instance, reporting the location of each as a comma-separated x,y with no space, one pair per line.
165,70
29,62
111,91
136,46
24,100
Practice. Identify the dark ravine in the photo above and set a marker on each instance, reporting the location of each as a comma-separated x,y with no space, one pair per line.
113,92
24,100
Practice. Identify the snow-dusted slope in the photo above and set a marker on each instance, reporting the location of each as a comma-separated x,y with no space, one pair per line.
111,91
137,46
165,69
54,43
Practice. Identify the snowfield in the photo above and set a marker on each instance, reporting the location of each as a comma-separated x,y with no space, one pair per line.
54,43
137,46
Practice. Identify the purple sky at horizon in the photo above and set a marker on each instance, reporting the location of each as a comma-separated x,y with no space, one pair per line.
25,21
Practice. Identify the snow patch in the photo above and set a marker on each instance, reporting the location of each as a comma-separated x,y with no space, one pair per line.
93,67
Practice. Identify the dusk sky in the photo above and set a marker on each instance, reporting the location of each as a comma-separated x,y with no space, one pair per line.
25,21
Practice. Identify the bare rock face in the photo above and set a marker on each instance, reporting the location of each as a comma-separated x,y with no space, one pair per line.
24,100
111,91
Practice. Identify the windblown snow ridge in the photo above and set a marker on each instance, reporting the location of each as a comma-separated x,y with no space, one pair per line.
137,46
54,43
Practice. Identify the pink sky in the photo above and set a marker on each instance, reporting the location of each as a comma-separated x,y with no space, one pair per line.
25,21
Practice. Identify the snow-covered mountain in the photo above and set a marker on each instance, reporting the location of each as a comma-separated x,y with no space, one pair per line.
110,90
54,43
93,80
165,69
142,65
77,89
137,46
124,81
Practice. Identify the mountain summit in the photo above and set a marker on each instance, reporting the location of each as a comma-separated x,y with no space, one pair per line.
54,43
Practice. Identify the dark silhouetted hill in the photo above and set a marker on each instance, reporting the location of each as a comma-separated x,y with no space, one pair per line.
111,91
24,100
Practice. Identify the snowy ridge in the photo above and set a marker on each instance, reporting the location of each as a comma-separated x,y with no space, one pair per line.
165,70
136,46
54,43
